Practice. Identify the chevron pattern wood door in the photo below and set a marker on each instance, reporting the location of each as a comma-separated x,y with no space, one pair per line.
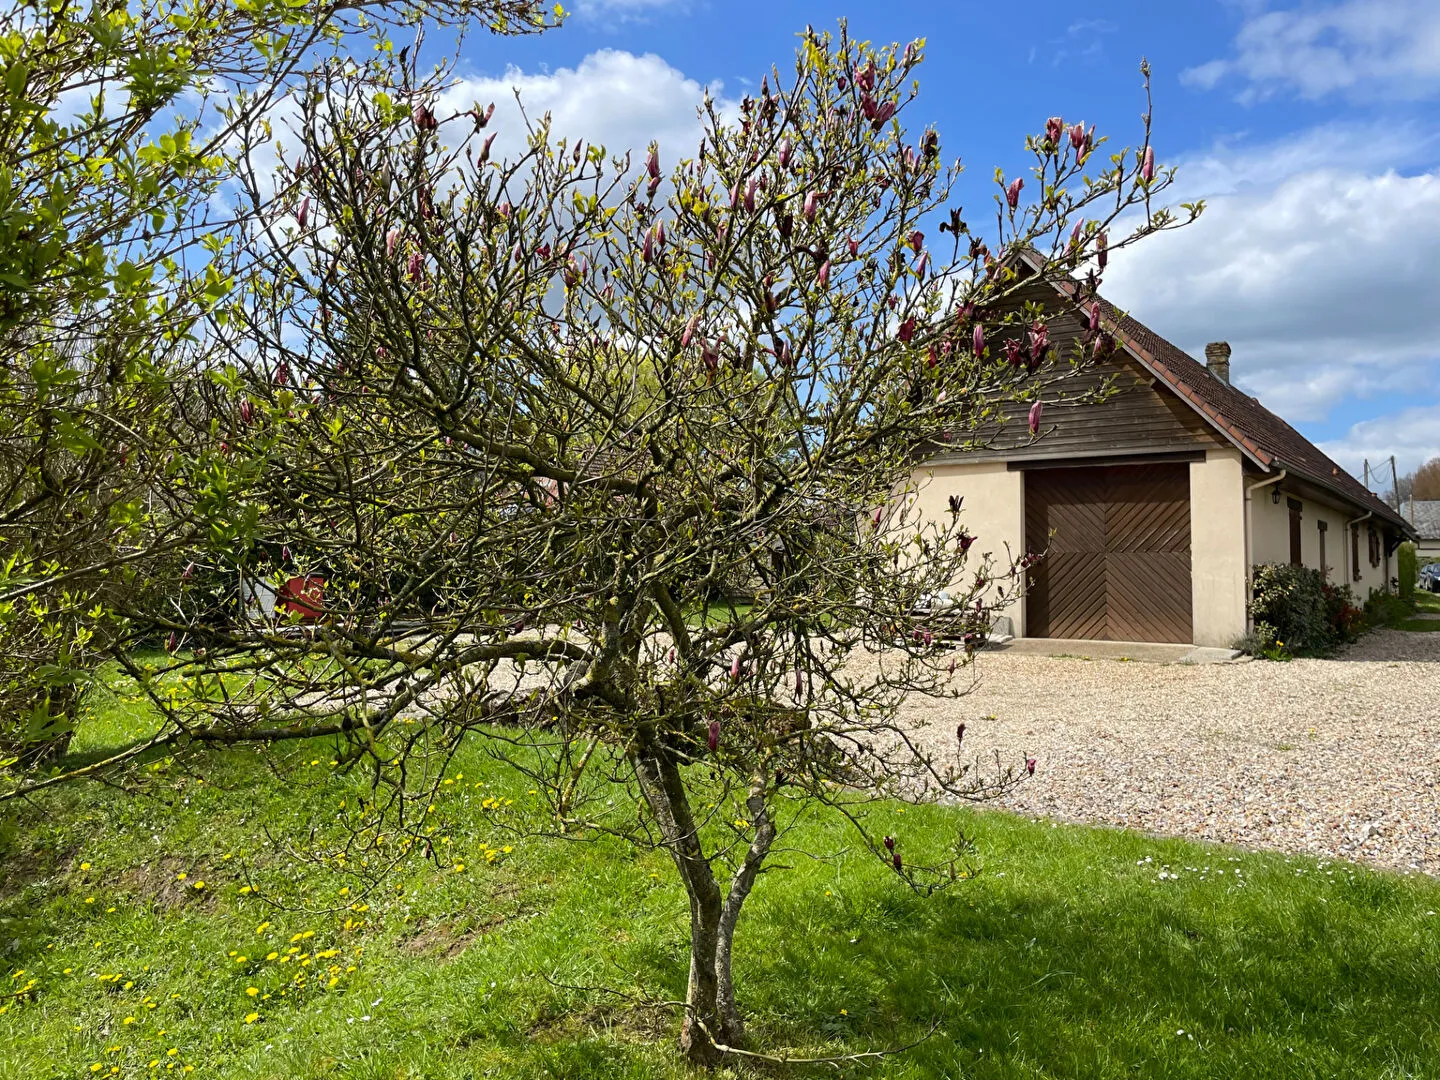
1118,562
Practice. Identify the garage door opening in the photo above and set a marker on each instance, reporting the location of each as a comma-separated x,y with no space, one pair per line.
1118,562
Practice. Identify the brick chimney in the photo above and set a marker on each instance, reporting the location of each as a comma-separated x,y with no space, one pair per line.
1217,359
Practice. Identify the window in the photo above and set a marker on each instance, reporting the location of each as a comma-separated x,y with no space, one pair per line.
1324,570
1355,552
1295,509
1374,546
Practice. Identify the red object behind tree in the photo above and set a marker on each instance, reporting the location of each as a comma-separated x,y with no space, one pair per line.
303,596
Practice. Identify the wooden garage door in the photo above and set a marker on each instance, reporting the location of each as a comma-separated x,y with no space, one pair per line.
1118,562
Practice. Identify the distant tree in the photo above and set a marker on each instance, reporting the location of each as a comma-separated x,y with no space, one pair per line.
563,399
1425,481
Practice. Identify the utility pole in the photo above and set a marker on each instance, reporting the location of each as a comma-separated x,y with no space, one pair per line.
1395,483
1367,474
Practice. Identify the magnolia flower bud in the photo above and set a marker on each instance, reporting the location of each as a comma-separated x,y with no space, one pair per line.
1075,233
481,119
1054,128
784,155
956,502
1013,353
1102,250
734,196
812,203
978,339
735,668
647,250
907,330
1077,136
171,642
689,333
392,238
959,728
853,246
1094,323
247,412
652,162
889,843
799,686
303,214
917,241
188,572
504,209
1147,169
750,195
1012,193
1030,766
1035,411
424,118
414,266
712,736
822,276
883,113
876,519
484,154
660,233
517,253
897,861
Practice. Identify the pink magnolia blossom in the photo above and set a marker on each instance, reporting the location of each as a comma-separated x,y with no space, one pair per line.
889,843
917,241
1012,193
1077,136
1054,128
652,162
822,276
1102,250
689,333
414,266
1035,411
784,155
977,339
812,203
712,736
1147,169
302,216
484,153
959,730
896,860
392,238
853,246
907,330
735,668
1030,766
424,118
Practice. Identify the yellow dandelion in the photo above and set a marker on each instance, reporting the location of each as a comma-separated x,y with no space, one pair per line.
89,899
252,990
199,885
459,866
181,876
128,1020
250,1018
262,927
84,866
271,956
245,889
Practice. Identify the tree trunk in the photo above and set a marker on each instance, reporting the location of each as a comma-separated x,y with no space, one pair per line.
732,1026
664,790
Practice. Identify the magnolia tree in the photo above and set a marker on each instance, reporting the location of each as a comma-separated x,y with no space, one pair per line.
525,430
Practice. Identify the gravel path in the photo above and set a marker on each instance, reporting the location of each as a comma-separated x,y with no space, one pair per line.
1332,757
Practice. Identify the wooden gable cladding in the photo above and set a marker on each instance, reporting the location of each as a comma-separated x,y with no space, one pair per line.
1141,415
1117,544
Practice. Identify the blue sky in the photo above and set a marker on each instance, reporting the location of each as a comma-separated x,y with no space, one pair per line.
1308,127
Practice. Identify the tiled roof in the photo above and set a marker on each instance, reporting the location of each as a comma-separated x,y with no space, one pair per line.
1425,515
1267,438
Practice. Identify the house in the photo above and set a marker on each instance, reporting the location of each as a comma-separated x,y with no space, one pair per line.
1153,505
1424,517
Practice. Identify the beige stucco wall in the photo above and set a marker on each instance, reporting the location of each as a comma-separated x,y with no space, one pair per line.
1271,540
1218,576
994,511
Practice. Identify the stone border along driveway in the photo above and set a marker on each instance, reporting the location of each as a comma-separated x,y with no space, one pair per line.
1333,757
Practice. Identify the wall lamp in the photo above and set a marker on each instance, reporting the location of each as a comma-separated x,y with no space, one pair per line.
1275,495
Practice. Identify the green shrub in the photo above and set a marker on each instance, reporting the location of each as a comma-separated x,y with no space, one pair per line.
1409,569
1294,612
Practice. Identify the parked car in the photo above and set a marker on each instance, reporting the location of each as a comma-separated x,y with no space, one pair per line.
1429,578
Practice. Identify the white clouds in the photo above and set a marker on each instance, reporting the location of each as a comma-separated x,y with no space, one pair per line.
1324,282
1360,48
613,98
1412,435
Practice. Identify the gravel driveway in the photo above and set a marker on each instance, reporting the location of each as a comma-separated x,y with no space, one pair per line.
1332,757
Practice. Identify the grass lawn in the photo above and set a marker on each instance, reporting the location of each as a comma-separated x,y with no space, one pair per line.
149,928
